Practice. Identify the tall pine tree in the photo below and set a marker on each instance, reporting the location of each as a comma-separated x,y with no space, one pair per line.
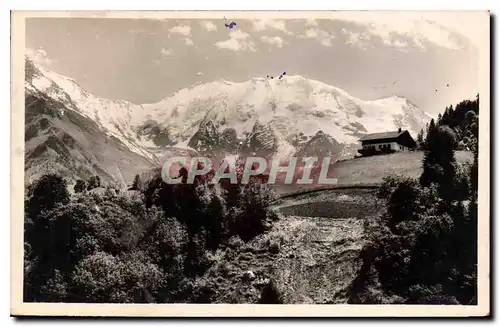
136,183
439,165
420,139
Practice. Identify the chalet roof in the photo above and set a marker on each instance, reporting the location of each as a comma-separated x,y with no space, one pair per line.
383,135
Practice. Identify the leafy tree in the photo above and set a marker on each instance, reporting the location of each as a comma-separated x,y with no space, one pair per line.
221,210
80,186
45,194
470,116
462,119
474,172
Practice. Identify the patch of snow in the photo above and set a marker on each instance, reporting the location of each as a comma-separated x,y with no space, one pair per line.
184,145
41,83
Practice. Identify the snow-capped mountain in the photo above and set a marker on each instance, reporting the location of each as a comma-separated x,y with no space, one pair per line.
59,139
283,108
280,117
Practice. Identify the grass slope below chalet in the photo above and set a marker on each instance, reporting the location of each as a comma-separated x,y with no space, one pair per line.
373,169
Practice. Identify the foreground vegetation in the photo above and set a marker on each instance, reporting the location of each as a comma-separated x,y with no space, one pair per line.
160,245
423,249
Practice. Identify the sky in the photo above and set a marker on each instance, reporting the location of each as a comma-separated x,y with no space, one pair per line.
430,59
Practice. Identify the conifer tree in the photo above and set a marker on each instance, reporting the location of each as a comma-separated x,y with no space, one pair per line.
420,139
445,117
439,160
136,183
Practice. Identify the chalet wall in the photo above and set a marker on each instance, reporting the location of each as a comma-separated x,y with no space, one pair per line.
379,146
393,146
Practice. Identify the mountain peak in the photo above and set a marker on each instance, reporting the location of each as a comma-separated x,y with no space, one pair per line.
279,113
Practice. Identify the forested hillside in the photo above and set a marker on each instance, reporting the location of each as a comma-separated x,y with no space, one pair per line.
423,249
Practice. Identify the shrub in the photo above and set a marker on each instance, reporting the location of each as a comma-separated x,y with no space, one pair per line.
462,182
270,294
402,203
55,289
104,278
389,184
401,195
253,211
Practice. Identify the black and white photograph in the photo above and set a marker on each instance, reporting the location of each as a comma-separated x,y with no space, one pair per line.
333,159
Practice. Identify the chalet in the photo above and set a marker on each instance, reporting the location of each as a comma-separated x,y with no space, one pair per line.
386,142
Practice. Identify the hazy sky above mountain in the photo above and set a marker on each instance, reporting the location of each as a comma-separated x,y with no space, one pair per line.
370,56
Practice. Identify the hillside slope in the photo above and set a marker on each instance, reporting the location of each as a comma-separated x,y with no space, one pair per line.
62,141
372,170
320,237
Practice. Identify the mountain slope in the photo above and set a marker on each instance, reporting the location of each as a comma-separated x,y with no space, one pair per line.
59,139
112,117
270,117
